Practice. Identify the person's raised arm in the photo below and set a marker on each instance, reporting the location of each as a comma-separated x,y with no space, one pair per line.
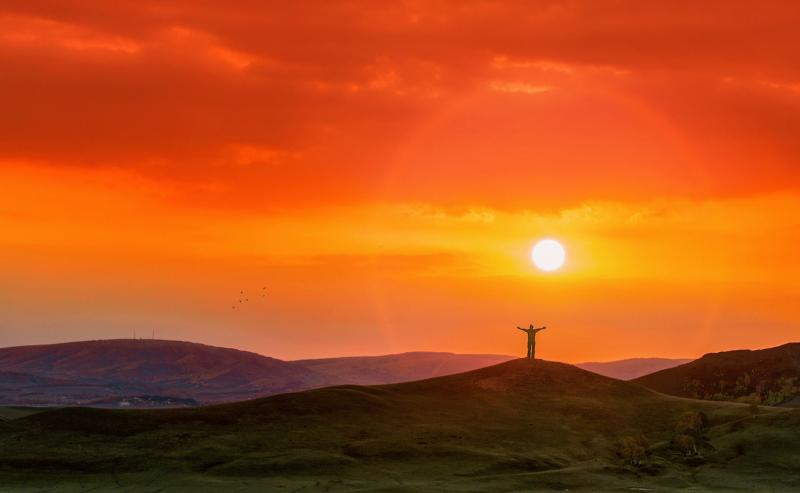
523,330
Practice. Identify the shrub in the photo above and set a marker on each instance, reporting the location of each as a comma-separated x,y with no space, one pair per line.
749,399
785,388
742,386
686,444
633,449
694,388
691,423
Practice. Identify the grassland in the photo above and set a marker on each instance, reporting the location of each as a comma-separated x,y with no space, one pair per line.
15,412
517,426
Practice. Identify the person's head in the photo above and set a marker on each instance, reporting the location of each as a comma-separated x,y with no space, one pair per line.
531,326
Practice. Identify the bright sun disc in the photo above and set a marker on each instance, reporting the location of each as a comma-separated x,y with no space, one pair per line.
548,255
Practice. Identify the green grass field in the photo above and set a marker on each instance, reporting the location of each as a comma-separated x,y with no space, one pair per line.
13,412
517,426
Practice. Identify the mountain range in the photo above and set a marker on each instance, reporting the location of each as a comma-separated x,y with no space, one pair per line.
107,372
154,373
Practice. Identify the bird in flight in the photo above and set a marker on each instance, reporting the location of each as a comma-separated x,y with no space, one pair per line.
242,299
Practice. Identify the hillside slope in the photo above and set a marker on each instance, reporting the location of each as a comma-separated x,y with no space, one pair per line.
395,368
628,369
519,425
770,376
91,371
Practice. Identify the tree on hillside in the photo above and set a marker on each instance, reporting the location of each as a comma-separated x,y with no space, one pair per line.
633,449
694,388
784,389
689,432
742,386
685,443
691,423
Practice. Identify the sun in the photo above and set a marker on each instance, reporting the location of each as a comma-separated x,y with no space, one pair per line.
548,255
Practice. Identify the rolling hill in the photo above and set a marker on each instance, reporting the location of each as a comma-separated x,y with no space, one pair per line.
110,371
628,369
517,426
770,376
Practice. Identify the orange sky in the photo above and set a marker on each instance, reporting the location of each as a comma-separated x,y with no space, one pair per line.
385,169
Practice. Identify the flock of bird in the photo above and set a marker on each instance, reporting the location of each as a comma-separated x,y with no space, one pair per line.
243,299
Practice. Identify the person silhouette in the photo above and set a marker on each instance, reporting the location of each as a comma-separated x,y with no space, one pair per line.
531,339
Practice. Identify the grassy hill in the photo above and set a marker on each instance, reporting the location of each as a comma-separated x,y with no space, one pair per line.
515,426
769,376
628,369
12,412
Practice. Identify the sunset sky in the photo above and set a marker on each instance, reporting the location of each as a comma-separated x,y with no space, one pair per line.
384,168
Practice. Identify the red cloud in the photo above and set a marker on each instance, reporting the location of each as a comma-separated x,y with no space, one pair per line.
435,101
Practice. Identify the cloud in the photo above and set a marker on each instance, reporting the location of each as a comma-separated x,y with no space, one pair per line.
413,101
523,87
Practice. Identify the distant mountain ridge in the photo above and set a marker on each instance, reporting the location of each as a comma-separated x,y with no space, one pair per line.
403,367
628,369
100,371
766,376
145,372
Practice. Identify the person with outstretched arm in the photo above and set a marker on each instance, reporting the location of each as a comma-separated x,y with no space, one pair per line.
531,339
